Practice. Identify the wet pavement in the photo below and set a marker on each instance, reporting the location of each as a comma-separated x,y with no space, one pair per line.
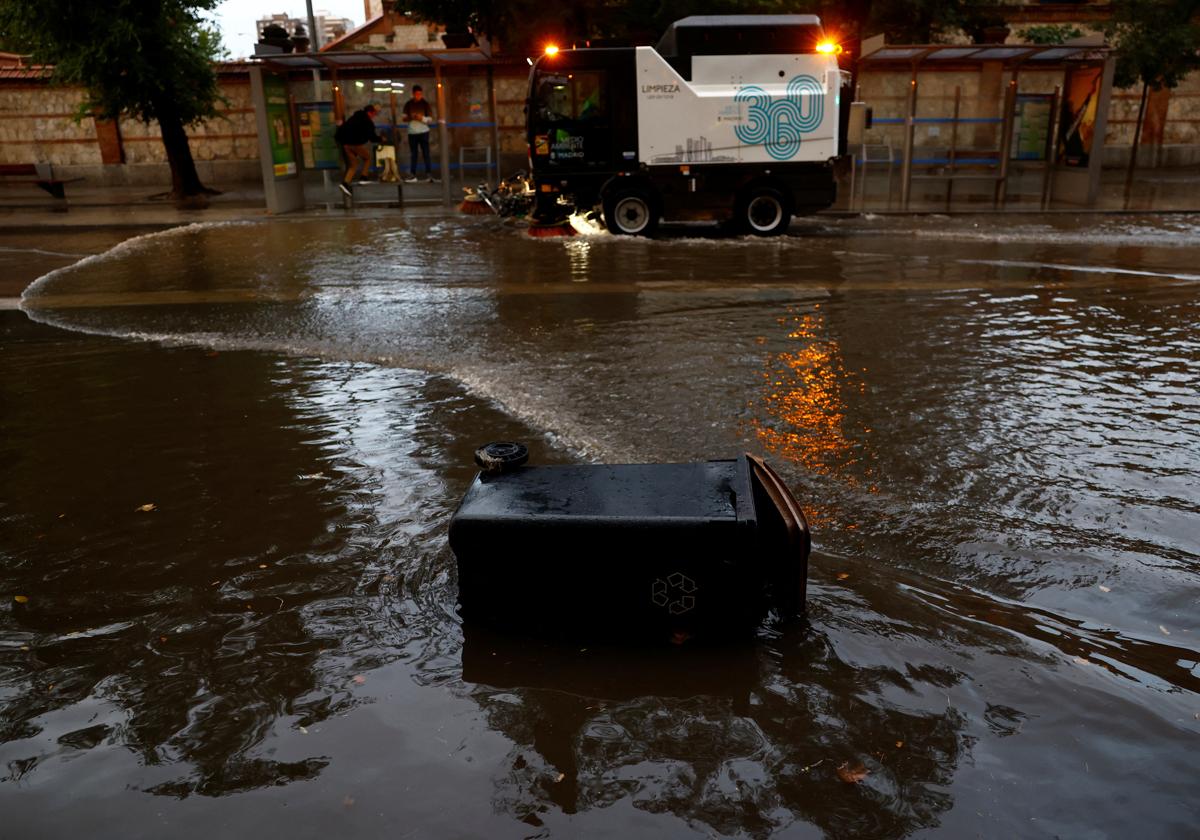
229,453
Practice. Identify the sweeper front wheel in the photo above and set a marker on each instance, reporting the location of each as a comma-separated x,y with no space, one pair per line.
630,212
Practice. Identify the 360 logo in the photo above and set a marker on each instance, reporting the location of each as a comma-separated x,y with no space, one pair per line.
779,124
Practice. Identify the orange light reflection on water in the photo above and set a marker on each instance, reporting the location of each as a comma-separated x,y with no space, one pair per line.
801,415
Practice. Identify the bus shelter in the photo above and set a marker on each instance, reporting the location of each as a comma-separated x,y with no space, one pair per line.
1020,123
301,98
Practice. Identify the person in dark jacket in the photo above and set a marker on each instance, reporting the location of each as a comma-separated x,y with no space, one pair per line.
354,135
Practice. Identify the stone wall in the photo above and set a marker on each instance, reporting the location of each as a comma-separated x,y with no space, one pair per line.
229,137
510,112
1171,133
38,125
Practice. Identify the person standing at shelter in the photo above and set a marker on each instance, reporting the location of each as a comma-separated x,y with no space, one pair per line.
418,115
353,135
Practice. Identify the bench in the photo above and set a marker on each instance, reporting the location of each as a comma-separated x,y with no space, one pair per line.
41,174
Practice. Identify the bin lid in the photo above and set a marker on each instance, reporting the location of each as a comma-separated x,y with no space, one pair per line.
641,493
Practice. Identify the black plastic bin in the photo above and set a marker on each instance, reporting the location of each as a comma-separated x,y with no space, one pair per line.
625,550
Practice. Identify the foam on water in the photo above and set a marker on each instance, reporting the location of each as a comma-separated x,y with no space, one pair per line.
144,242
494,383
1168,232
1086,269
40,252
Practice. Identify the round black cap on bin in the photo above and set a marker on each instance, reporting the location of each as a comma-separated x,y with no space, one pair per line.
501,457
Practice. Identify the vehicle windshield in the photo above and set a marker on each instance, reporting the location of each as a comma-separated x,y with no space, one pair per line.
563,97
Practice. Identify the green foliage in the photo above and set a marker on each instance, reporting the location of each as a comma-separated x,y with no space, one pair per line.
1049,34
150,59
921,21
523,25
1156,41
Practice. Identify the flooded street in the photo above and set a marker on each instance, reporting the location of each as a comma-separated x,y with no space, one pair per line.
229,454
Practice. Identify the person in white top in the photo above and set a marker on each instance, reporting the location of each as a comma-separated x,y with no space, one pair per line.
418,115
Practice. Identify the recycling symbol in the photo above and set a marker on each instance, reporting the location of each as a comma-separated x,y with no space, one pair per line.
676,593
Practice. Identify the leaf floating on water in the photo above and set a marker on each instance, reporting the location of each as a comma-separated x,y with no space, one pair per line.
262,565
303,730
843,575
852,775
147,508
899,744
560,777
1164,630
1104,588
359,679
21,599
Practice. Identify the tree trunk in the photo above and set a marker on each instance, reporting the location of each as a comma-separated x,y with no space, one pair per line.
185,183
1137,134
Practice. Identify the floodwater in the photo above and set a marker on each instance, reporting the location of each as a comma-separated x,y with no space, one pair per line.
993,423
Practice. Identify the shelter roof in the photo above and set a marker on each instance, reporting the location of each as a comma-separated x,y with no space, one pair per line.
375,59
721,21
979,53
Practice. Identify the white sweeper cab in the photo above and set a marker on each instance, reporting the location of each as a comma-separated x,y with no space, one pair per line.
732,118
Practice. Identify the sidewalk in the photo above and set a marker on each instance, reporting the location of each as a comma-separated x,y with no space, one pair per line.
137,206
1154,191
146,206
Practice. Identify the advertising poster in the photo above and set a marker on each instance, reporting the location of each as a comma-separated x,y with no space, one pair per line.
279,126
318,148
1080,97
1031,126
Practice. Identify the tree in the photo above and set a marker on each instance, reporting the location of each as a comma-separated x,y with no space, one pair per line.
1157,42
524,25
150,59
1049,33
910,21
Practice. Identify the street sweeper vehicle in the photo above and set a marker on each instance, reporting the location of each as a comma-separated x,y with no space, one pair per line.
734,118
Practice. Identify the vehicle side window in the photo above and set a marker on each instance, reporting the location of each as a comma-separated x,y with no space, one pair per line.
589,96
575,97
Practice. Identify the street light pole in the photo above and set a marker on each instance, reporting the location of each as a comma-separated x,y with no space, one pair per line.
313,46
